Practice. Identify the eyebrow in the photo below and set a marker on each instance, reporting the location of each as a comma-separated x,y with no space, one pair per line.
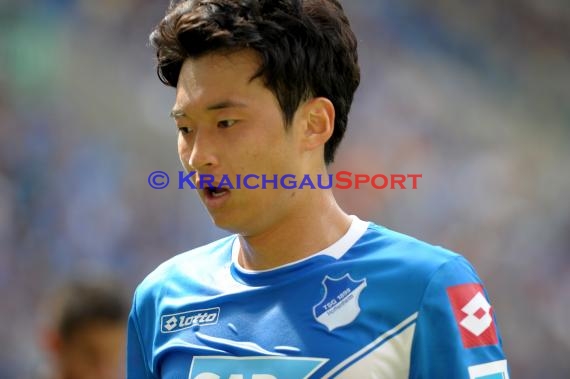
176,113
179,113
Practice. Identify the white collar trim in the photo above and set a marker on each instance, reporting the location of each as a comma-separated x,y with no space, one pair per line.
336,250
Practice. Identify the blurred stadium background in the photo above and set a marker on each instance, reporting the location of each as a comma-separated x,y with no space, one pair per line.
473,95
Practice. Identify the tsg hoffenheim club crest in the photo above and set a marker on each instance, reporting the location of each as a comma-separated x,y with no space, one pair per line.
339,305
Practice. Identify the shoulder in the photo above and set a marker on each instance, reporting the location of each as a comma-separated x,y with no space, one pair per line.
405,252
183,268
433,271
414,267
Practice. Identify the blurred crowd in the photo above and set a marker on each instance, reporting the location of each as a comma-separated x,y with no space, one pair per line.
475,96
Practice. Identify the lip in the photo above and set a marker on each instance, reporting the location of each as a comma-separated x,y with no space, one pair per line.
202,186
210,201
214,202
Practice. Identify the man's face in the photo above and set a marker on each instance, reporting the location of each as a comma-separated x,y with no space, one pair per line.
94,351
232,125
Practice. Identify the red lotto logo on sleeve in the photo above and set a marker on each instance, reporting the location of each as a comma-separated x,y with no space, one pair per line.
473,314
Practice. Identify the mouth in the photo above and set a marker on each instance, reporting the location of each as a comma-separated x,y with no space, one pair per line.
215,197
215,192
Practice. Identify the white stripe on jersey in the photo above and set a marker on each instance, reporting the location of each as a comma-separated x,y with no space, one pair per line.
388,355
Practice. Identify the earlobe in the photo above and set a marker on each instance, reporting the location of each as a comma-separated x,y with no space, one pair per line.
51,341
320,122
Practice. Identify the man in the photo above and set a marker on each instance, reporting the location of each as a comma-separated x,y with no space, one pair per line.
85,336
302,289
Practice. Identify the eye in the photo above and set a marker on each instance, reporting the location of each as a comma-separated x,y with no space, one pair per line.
226,123
184,130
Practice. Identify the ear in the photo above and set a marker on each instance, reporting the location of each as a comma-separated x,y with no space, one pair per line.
51,342
319,125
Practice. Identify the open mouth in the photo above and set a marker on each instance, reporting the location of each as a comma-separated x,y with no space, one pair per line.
215,192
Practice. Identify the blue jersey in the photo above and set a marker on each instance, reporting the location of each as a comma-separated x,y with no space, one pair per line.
375,304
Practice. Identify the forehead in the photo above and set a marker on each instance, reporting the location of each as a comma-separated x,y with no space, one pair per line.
216,76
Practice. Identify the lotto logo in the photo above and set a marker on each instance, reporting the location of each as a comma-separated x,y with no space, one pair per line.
184,320
478,305
473,314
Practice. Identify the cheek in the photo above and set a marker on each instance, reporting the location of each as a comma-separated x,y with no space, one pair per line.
77,361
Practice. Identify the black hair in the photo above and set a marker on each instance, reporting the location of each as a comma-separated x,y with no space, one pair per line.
80,303
307,48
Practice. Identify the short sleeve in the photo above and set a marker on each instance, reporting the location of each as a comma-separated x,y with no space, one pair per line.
456,333
137,367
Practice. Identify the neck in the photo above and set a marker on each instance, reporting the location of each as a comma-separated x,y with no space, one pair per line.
316,223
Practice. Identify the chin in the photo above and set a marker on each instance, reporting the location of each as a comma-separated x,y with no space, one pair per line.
226,223
234,225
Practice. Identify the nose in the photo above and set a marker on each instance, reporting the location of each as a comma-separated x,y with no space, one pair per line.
203,152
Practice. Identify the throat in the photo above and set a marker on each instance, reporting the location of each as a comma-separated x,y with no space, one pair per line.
272,250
